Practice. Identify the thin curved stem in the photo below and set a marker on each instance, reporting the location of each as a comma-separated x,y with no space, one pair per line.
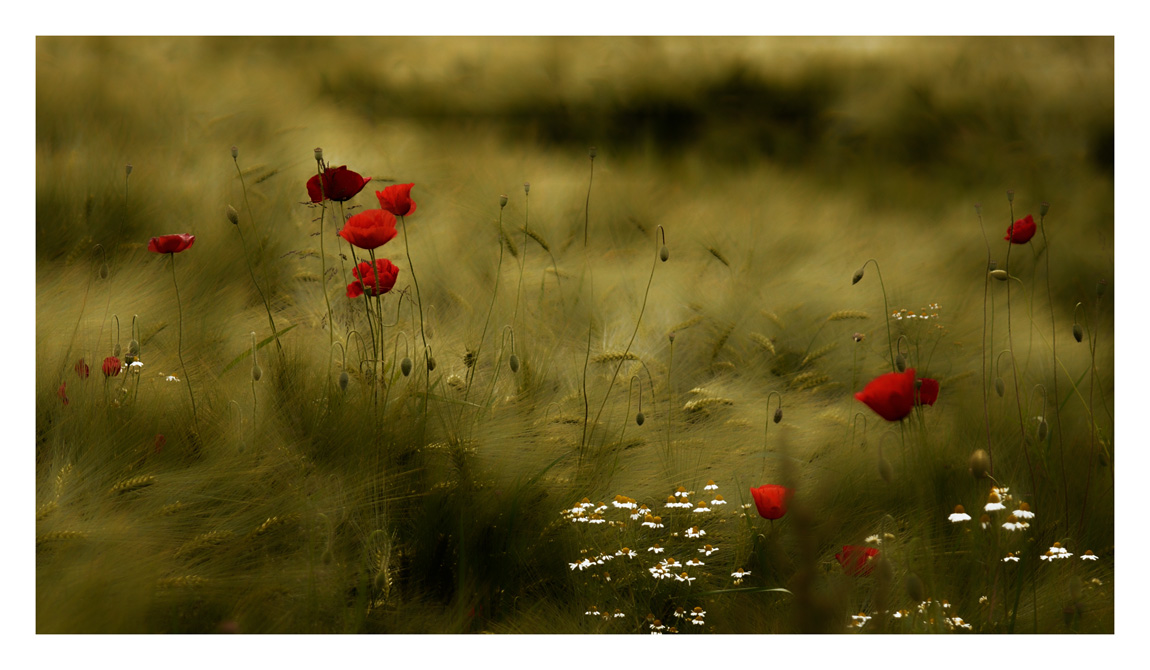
180,345
247,258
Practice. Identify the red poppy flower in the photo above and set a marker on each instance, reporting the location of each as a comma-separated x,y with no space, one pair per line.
61,393
82,369
339,184
369,230
397,199
170,244
927,391
1021,230
111,366
376,282
771,500
160,442
857,561
891,395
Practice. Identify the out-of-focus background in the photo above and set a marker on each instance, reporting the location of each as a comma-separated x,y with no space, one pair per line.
776,167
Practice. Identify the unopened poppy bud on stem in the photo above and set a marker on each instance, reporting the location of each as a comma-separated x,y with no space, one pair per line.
592,152
664,254
900,362
1043,208
104,275
405,366
526,187
502,201
778,415
232,215
979,464
1077,332
514,363
1010,195
999,386
639,419
319,154
127,169
235,151
343,379
1000,275
857,276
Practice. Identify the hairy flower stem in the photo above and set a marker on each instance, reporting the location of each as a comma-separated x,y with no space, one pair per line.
985,380
180,344
487,321
642,309
886,312
1014,368
523,255
1054,370
247,258
323,265
422,333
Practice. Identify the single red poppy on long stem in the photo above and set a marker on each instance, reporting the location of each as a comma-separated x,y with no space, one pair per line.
373,281
171,244
1021,230
397,199
338,184
370,229
771,500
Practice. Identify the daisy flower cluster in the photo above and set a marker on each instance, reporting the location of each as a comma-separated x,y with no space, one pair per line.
925,615
635,532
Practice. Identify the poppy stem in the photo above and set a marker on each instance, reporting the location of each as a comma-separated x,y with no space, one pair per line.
885,307
367,309
523,256
767,424
180,344
1054,368
1014,369
623,358
490,307
422,332
587,206
263,297
323,278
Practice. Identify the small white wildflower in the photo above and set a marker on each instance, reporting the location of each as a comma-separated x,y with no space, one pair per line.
626,552
982,600
1012,523
959,515
702,508
718,500
1023,512
671,562
594,611
1010,558
695,562
586,503
874,539
1089,556
957,622
682,492
600,509
711,486
695,531
707,550
172,378
135,366
740,573
595,518
684,577
698,622
858,620
618,614
657,549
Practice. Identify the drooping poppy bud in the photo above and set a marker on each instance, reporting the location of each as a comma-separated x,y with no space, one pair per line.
664,254
343,380
405,366
1077,332
778,415
639,419
979,464
857,276
514,363
232,215
900,362
999,386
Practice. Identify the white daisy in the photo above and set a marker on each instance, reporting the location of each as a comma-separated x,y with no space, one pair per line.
740,573
693,562
626,552
718,500
657,549
711,486
875,539
707,550
695,531
702,508
1010,558
959,515
684,577
1023,512
1089,556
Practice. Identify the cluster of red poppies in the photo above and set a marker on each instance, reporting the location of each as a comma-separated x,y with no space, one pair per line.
367,230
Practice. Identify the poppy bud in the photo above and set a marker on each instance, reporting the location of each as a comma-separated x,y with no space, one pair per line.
257,372
430,363
1043,208
104,275
343,379
778,415
664,254
885,470
979,464
319,154
915,588
1077,332
592,152
999,386
526,188
235,151
671,336
858,277
992,265
1000,275
502,201
232,215
127,169
133,348
1010,195
116,350
514,363
639,419
1043,428
405,366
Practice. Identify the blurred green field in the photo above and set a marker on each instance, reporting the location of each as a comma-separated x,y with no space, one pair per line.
776,168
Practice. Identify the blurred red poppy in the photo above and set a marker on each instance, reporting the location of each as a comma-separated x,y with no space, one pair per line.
111,366
376,282
927,391
82,369
369,230
771,500
170,244
857,561
891,395
339,184
61,393
1021,230
160,442
397,199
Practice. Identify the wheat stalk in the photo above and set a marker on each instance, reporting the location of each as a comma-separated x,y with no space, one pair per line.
764,342
133,484
844,314
609,356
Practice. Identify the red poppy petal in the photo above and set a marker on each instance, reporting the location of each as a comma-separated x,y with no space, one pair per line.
928,391
354,290
397,199
313,189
